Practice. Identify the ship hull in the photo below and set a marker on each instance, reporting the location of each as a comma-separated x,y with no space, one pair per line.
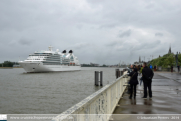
35,67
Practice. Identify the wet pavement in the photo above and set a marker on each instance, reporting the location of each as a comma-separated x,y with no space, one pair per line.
166,89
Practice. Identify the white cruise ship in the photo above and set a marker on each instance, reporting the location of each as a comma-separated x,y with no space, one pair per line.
47,61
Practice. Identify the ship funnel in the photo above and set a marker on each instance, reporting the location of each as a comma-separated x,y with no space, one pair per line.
70,51
50,48
64,51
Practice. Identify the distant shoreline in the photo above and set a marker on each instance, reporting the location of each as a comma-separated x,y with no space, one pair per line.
83,67
9,67
103,66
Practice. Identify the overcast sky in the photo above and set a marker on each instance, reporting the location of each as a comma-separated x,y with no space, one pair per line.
98,31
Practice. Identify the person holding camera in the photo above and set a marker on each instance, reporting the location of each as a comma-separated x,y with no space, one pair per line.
133,82
147,74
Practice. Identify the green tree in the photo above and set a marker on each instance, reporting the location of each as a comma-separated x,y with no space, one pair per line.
165,61
7,64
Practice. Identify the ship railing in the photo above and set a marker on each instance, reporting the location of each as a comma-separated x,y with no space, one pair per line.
98,106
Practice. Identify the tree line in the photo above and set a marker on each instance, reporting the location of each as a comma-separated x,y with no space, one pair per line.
8,64
166,60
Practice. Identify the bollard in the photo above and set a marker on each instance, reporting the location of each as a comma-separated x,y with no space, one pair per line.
101,77
116,71
121,73
97,78
117,74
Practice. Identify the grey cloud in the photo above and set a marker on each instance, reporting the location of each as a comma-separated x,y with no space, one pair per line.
149,6
79,46
114,43
125,34
159,34
24,41
91,27
145,46
95,1
12,42
109,25
79,26
134,47
152,45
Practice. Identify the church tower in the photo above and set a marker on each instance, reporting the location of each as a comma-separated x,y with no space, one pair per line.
169,52
139,59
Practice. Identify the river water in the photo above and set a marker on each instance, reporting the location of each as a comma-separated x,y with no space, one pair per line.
47,93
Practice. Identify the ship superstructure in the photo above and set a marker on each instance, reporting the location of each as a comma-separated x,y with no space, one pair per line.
47,61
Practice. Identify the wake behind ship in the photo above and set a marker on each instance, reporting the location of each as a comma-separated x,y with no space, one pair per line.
48,61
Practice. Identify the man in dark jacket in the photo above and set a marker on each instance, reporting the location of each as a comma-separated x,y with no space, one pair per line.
178,68
147,80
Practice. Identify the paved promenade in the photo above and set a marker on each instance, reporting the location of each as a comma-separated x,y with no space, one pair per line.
166,89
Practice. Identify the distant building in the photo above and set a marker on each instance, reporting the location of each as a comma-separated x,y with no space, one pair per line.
85,65
94,64
16,65
136,63
139,62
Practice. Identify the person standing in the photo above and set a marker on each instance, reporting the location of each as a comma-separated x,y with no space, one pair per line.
141,79
171,68
147,74
178,68
154,68
139,67
133,82
131,66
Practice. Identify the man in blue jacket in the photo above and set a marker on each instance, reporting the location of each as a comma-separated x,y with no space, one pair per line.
147,80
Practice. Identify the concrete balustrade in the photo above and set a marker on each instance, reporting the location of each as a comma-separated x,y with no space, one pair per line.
101,103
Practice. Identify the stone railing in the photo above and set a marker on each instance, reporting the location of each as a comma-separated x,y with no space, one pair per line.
101,103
